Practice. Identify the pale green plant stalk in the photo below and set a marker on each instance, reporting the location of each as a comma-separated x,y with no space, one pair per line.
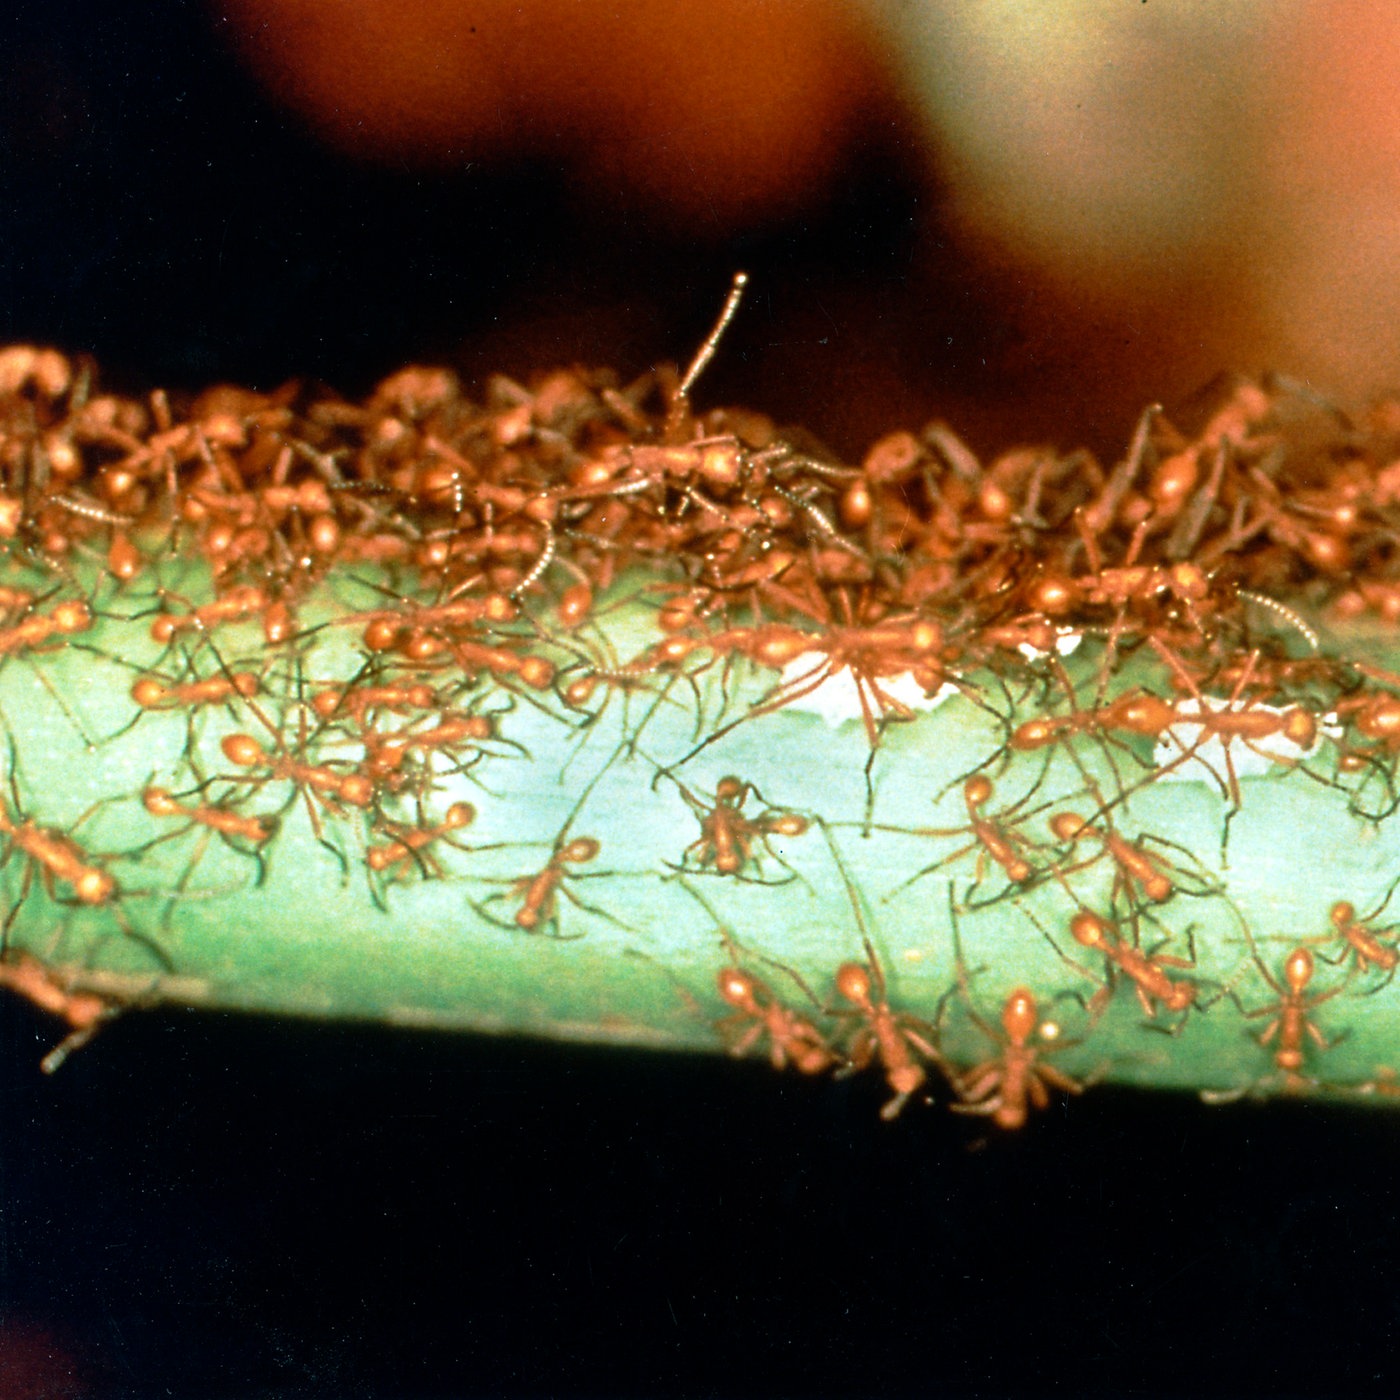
595,894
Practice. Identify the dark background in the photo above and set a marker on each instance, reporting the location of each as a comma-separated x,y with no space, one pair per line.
205,1206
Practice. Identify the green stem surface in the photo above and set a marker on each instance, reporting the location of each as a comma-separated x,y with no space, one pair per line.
628,946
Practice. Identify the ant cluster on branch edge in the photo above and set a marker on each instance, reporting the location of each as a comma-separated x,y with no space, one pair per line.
1108,633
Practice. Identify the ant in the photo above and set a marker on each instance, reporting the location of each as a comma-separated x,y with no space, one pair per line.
1292,1024
1134,865
664,663
1146,971
400,697
85,1012
897,1040
330,786
327,785
875,656
992,837
1252,725
1292,1012
1367,950
151,693
160,802
792,1039
1136,714
244,835
237,604
385,753
64,620
1006,1086
727,836
539,891
56,857
410,843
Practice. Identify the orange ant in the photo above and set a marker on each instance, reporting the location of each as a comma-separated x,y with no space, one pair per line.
1366,949
1145,970
410,843
160,802
539,891
1291,1026
1250,725
57,857
64,620
536,672
1006,1086
244,835
1136,712
727,836
1127,585
356,700
1292,1013
792,1039
385,753
1134,865
1376,716
152,694
877,657
665,661
330,786
870,654
391,630
992,837
237,604
897,1040
85,1012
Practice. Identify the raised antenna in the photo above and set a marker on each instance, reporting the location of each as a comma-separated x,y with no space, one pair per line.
706,352
1282,610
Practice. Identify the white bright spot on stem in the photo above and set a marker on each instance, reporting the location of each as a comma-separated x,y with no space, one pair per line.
1067,642
838,697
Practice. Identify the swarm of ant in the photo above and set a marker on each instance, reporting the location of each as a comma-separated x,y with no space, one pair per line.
1196,567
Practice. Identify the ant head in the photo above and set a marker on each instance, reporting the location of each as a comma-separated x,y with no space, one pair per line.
1181,997
976,791
854,983
1019,1015
730,790
580,850
1298,970
738,988
94,886
1088,929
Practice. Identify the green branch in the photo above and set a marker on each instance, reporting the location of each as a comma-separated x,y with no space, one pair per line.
575,714
608,867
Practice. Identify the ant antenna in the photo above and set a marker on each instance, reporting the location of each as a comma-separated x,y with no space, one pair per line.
706,352
1282,610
